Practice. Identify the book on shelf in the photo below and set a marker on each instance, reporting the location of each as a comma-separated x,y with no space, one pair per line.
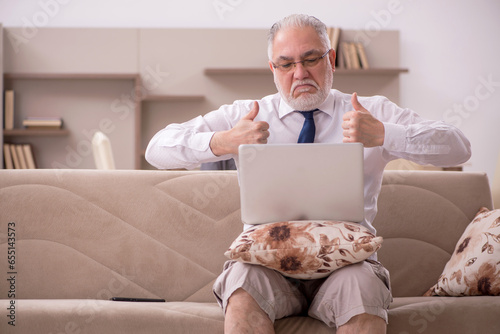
334,34
28,154
52,123
346,55
18,156
354,55
7,157
15,159
362,55
9,110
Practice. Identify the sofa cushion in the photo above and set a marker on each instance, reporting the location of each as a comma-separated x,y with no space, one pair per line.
92,316
304,250
474,267
425,315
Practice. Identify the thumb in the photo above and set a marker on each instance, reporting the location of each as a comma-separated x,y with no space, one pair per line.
253,113
355,103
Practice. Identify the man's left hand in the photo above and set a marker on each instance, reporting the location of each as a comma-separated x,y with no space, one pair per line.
360,126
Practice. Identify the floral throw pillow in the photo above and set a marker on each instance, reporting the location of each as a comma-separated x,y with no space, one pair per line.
474,267
304,250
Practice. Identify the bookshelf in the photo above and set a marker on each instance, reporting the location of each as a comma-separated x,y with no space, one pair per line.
70,94
141,85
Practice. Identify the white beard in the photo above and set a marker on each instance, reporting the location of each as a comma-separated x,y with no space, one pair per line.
305,102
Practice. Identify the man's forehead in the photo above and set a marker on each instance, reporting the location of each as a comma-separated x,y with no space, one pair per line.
296,42
311,52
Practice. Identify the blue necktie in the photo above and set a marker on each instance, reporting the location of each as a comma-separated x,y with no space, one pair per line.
308,129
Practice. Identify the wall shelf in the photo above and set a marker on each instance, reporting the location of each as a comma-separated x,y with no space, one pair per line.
237,71
33,132
173,98
372,71
341,71
66,76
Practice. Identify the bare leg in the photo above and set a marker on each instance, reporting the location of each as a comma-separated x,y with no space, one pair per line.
364,324
244,316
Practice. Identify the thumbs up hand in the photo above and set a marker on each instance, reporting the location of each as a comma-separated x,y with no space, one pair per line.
252,113
249,131
360,126
246,131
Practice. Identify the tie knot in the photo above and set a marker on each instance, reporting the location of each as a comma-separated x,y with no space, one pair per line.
308,114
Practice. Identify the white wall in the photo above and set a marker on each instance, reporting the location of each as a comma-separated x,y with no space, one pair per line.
450,46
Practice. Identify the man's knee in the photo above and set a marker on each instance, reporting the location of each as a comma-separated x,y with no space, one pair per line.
351,291
243,314
239,297
362,274
364,323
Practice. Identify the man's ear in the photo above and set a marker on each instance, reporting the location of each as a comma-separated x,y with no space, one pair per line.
271,66
332,56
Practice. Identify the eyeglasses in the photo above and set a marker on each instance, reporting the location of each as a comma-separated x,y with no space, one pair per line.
307,63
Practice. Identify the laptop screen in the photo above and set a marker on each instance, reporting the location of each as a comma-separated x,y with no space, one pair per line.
293,182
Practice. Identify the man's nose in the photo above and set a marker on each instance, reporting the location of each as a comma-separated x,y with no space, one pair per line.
300,72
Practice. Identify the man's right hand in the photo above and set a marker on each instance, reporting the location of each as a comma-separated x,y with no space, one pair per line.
246,131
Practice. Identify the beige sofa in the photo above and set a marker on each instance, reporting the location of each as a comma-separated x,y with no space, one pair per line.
83,236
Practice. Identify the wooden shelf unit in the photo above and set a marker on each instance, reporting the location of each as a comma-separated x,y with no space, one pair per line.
165,87
27,135
34,133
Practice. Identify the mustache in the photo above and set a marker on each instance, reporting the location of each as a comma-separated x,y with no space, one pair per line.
304,82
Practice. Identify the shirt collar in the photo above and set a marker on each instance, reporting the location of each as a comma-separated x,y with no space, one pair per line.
326,106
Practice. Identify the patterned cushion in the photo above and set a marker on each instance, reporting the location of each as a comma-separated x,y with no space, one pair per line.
304,250
474,267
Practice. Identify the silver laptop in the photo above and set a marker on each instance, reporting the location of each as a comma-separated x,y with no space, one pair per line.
285,182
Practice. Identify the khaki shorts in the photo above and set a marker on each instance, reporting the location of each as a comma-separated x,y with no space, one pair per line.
355,289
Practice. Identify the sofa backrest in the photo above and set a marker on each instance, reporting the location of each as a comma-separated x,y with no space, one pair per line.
98,234
422,215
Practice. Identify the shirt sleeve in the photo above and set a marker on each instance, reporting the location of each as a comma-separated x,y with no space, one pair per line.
411,137
187,145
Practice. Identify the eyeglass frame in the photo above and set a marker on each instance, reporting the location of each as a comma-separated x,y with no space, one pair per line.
283,69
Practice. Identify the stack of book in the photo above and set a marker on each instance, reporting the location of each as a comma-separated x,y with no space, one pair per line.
350,55
354,56
42,123
18,156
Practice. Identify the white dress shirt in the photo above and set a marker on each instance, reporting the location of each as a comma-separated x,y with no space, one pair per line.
407,136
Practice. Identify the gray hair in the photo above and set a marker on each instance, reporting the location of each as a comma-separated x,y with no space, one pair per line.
297,21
